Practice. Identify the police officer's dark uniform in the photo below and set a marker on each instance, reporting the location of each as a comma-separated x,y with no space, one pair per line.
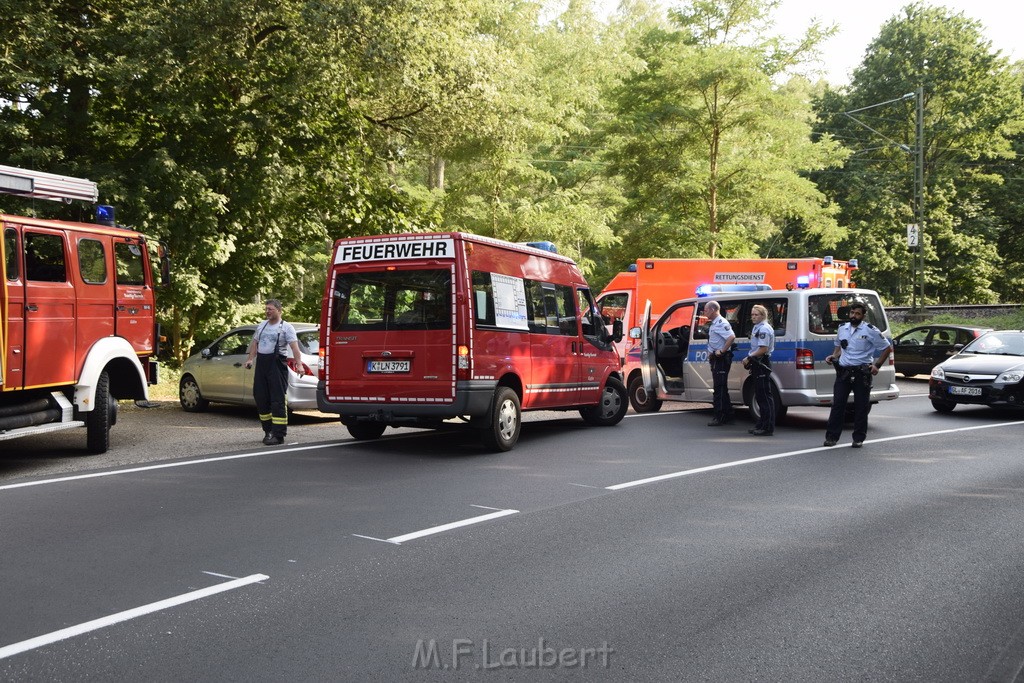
856,345
758,361
720,339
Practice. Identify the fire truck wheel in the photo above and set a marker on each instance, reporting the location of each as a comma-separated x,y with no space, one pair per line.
190,397
641,401
101,417
612,407
502,430
366,431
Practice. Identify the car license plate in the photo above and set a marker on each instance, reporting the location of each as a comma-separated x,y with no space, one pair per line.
388,366
965,391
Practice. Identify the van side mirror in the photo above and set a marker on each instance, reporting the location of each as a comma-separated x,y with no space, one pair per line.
635,333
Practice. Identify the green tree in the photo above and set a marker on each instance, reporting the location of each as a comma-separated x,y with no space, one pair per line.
972,108
711,148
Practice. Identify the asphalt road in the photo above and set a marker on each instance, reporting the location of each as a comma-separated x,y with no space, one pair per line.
659,549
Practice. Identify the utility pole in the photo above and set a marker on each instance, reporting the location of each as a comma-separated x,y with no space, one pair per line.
915,232
918,256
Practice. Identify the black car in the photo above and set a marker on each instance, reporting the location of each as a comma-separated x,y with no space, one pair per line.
988,371
919,349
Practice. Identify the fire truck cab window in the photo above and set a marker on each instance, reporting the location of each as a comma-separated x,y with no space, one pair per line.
11,254
130,270
44,258
92,261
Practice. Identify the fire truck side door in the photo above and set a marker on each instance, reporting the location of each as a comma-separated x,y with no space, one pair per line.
12,314
134,297
49,310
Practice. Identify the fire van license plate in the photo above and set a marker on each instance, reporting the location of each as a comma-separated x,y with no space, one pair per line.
965,391
388,366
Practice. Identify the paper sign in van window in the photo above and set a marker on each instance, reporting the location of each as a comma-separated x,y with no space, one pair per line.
395,251
509,301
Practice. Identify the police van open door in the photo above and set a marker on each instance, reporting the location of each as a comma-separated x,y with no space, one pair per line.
666,355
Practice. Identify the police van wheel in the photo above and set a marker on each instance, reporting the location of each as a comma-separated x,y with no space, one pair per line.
366,431
502,430
99,420
611,408
190,397
755,412
642,401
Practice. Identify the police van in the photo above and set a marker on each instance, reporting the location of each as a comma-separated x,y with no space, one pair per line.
420,328
670,362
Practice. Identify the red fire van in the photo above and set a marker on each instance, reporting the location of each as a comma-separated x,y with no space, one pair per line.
419,328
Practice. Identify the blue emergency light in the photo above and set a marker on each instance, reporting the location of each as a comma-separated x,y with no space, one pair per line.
105,215
853,263
803,282
705,290
544,246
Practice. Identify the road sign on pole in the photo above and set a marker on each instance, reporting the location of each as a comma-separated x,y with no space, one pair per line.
912,235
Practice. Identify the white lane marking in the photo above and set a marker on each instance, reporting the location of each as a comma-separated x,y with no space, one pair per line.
398,540
737,463
186,463
96,624
219,576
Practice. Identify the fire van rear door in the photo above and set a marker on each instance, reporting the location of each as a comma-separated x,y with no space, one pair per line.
392,335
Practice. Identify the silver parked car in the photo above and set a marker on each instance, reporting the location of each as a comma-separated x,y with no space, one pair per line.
217,373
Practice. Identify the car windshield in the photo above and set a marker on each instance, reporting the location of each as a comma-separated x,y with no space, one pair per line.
998,344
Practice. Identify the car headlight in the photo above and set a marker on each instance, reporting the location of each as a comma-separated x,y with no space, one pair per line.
1011,377
938,372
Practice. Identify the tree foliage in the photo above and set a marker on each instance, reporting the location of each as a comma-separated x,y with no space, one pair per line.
971,110
711,147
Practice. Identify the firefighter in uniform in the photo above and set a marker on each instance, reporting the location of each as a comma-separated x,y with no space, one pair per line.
856,345
720,339
759,363
269,348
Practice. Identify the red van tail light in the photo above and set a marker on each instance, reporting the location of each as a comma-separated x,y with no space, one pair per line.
804,359
462,366
321,365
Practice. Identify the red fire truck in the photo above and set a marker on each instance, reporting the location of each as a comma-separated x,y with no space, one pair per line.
419,328
78,326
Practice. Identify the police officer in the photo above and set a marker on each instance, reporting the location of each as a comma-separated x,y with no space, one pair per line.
269,347
720,339
759,363
856,345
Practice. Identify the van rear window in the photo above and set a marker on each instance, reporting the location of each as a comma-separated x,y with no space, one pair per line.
392,300
826,312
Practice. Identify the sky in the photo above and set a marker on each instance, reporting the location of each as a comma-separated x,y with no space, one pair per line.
859,22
